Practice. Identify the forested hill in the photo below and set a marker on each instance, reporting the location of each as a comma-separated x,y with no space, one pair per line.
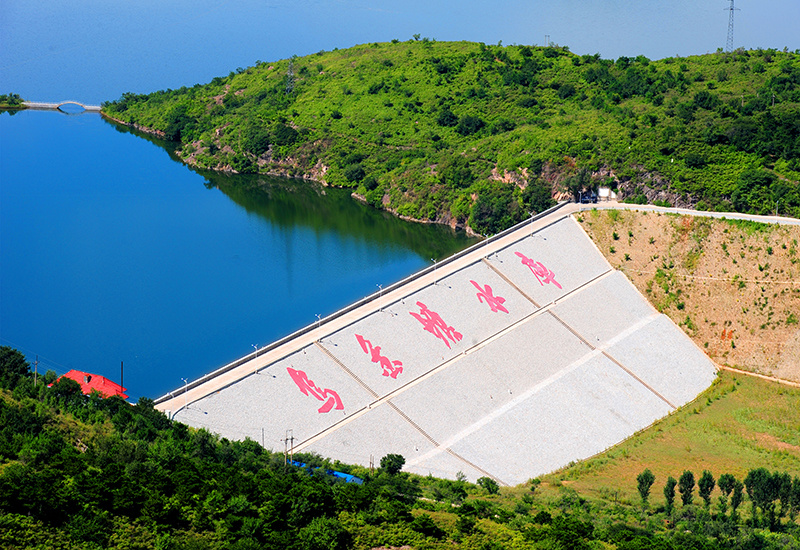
82,472
470,134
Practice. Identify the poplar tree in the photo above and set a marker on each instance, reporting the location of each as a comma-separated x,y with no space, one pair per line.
686,487
726,483
669,493
644,481
705,486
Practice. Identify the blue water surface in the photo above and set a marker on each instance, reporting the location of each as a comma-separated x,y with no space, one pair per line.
111,251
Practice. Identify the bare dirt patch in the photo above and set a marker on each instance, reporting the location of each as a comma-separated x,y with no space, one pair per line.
733,287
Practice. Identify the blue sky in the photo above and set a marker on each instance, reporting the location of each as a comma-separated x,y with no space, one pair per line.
96,50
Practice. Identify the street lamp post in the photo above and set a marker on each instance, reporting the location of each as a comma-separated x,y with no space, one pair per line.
185,389
434,270
255,347
380,295
776,210
319,319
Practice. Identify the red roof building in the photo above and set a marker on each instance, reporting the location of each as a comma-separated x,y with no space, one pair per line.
96,382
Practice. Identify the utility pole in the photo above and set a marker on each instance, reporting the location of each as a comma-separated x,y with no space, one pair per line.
729,45
288,449
36,370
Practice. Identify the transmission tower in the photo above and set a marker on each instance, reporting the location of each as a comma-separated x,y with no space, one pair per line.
729,45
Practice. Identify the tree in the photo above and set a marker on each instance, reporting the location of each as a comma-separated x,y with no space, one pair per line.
644,481
284,135
354,173
705,486
446,117
686,487
753,192
256,139
737,496
669,493
324,534
795,500
468,125
762,488
726,483
489,484
495,209
13,366
579,183
537,195
456,172
784,489
392,463
424,524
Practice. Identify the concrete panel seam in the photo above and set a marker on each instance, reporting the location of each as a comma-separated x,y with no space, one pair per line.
521,398
642,382
612,359
506,279
412,423
457,456
336,360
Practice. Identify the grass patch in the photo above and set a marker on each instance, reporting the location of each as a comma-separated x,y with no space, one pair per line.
739,423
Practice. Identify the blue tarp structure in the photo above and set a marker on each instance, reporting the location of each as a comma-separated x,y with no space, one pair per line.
341,475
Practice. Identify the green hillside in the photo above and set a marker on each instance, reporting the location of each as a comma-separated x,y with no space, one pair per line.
84,472
470,134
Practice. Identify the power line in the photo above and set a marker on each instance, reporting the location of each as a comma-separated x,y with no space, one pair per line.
41,359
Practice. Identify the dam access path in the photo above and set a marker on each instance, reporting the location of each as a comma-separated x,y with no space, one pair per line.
508,360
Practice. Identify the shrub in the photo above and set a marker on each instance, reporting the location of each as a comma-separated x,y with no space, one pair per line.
489,484
566,91
468,125
354,173
284,135
446,118
694,160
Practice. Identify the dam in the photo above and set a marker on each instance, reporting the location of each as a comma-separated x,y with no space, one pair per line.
508,360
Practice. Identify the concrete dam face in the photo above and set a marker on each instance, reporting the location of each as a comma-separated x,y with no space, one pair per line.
509,362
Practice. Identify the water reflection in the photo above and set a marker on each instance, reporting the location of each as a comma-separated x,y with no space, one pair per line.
292,202
289,202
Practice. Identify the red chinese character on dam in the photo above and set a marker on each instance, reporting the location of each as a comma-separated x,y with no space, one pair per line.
542,274
390,368
309,388
434,324
494,302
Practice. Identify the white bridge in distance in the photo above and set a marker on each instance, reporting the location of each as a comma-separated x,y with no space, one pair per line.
57,106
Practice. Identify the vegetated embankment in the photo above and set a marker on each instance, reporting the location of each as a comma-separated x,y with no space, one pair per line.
477,135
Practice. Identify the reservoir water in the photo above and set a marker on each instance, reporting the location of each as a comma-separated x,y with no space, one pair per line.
113,251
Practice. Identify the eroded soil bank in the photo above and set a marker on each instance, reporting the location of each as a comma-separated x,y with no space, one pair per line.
733,287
